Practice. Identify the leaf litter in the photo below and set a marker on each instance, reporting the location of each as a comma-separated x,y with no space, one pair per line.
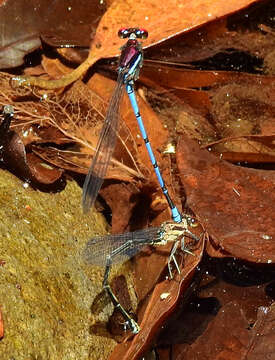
236,219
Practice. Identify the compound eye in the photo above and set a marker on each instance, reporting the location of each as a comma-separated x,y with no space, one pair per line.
123,33
141,33
192,222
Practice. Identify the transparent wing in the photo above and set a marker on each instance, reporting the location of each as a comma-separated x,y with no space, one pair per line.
120,247
104,150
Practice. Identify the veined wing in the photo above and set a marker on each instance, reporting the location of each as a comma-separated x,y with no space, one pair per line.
104,150
120,247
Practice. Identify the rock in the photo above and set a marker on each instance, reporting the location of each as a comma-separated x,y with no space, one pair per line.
46,290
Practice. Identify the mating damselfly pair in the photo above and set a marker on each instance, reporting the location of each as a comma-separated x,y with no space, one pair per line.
111,249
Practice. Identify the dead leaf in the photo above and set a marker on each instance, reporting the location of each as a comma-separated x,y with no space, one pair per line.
234,204
218,342
180,78
179,18
62,23
262,341
19,33
161,304
242,117
121,198
27,166
229,336
41,172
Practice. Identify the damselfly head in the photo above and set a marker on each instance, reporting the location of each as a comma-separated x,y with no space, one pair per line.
192,221
8,110
124,33
141,33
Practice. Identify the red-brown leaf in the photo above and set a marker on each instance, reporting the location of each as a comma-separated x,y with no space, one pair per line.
158,308
236,205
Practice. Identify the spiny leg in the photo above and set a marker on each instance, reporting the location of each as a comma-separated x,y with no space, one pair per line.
192,236
133,326
183,232
173,258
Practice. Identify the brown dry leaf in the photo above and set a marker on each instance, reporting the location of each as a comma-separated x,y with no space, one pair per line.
122,199
44,135
43,173
176,78
246,148
152,264
227,337
197,99
27,166
214,250
262,341
237,157
179,17
234,280
242,116
161,304
19,32
230,337
235,205
224,282
64,159
79,162
220,36
54,68
61,23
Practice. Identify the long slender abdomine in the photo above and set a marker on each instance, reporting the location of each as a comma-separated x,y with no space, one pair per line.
130,62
